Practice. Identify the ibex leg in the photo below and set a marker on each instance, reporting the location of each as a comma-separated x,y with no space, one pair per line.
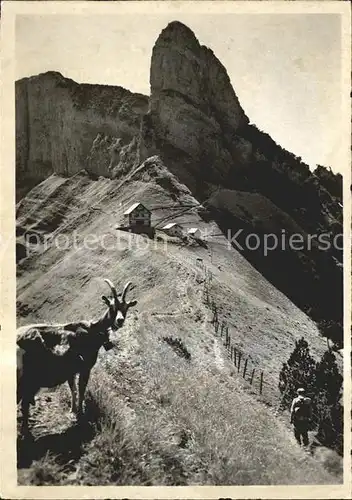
82,384
25,416
73,387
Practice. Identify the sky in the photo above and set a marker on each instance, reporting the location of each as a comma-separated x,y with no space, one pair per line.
284,68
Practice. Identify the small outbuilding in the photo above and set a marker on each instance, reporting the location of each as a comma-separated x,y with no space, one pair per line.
194,232
173,229
137,215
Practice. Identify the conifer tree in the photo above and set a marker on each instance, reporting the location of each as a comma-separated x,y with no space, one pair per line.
323,384
329,409
299,371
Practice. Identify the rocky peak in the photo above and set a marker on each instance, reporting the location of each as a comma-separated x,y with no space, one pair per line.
178,34
192,102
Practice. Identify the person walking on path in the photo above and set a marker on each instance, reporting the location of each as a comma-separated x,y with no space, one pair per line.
301,415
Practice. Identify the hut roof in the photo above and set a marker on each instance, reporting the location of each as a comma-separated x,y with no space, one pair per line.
133,207
171,224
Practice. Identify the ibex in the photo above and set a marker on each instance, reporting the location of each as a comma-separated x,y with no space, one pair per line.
41,364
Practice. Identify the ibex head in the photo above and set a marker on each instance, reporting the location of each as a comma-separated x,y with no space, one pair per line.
116,313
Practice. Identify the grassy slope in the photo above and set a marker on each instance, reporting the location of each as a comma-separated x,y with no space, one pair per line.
162,419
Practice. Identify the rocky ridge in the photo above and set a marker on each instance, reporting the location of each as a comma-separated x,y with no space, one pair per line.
57,121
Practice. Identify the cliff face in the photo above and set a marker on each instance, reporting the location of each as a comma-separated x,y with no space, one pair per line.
57,121
193,106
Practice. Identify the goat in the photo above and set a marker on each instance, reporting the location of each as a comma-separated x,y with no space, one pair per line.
50,355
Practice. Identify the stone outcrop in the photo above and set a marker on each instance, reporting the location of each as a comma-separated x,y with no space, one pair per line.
58,119
110,157
193,106
104,155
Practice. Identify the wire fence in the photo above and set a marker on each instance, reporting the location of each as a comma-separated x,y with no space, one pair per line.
255,375
241,360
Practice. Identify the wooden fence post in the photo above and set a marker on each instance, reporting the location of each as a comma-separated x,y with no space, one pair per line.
239,360
206,295
215,313
252,376
261,383
245,368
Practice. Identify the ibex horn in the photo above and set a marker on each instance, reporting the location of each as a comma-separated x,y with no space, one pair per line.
113,289
125,290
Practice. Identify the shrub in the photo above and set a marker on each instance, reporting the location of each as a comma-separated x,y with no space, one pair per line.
299,371
328,408
178,346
